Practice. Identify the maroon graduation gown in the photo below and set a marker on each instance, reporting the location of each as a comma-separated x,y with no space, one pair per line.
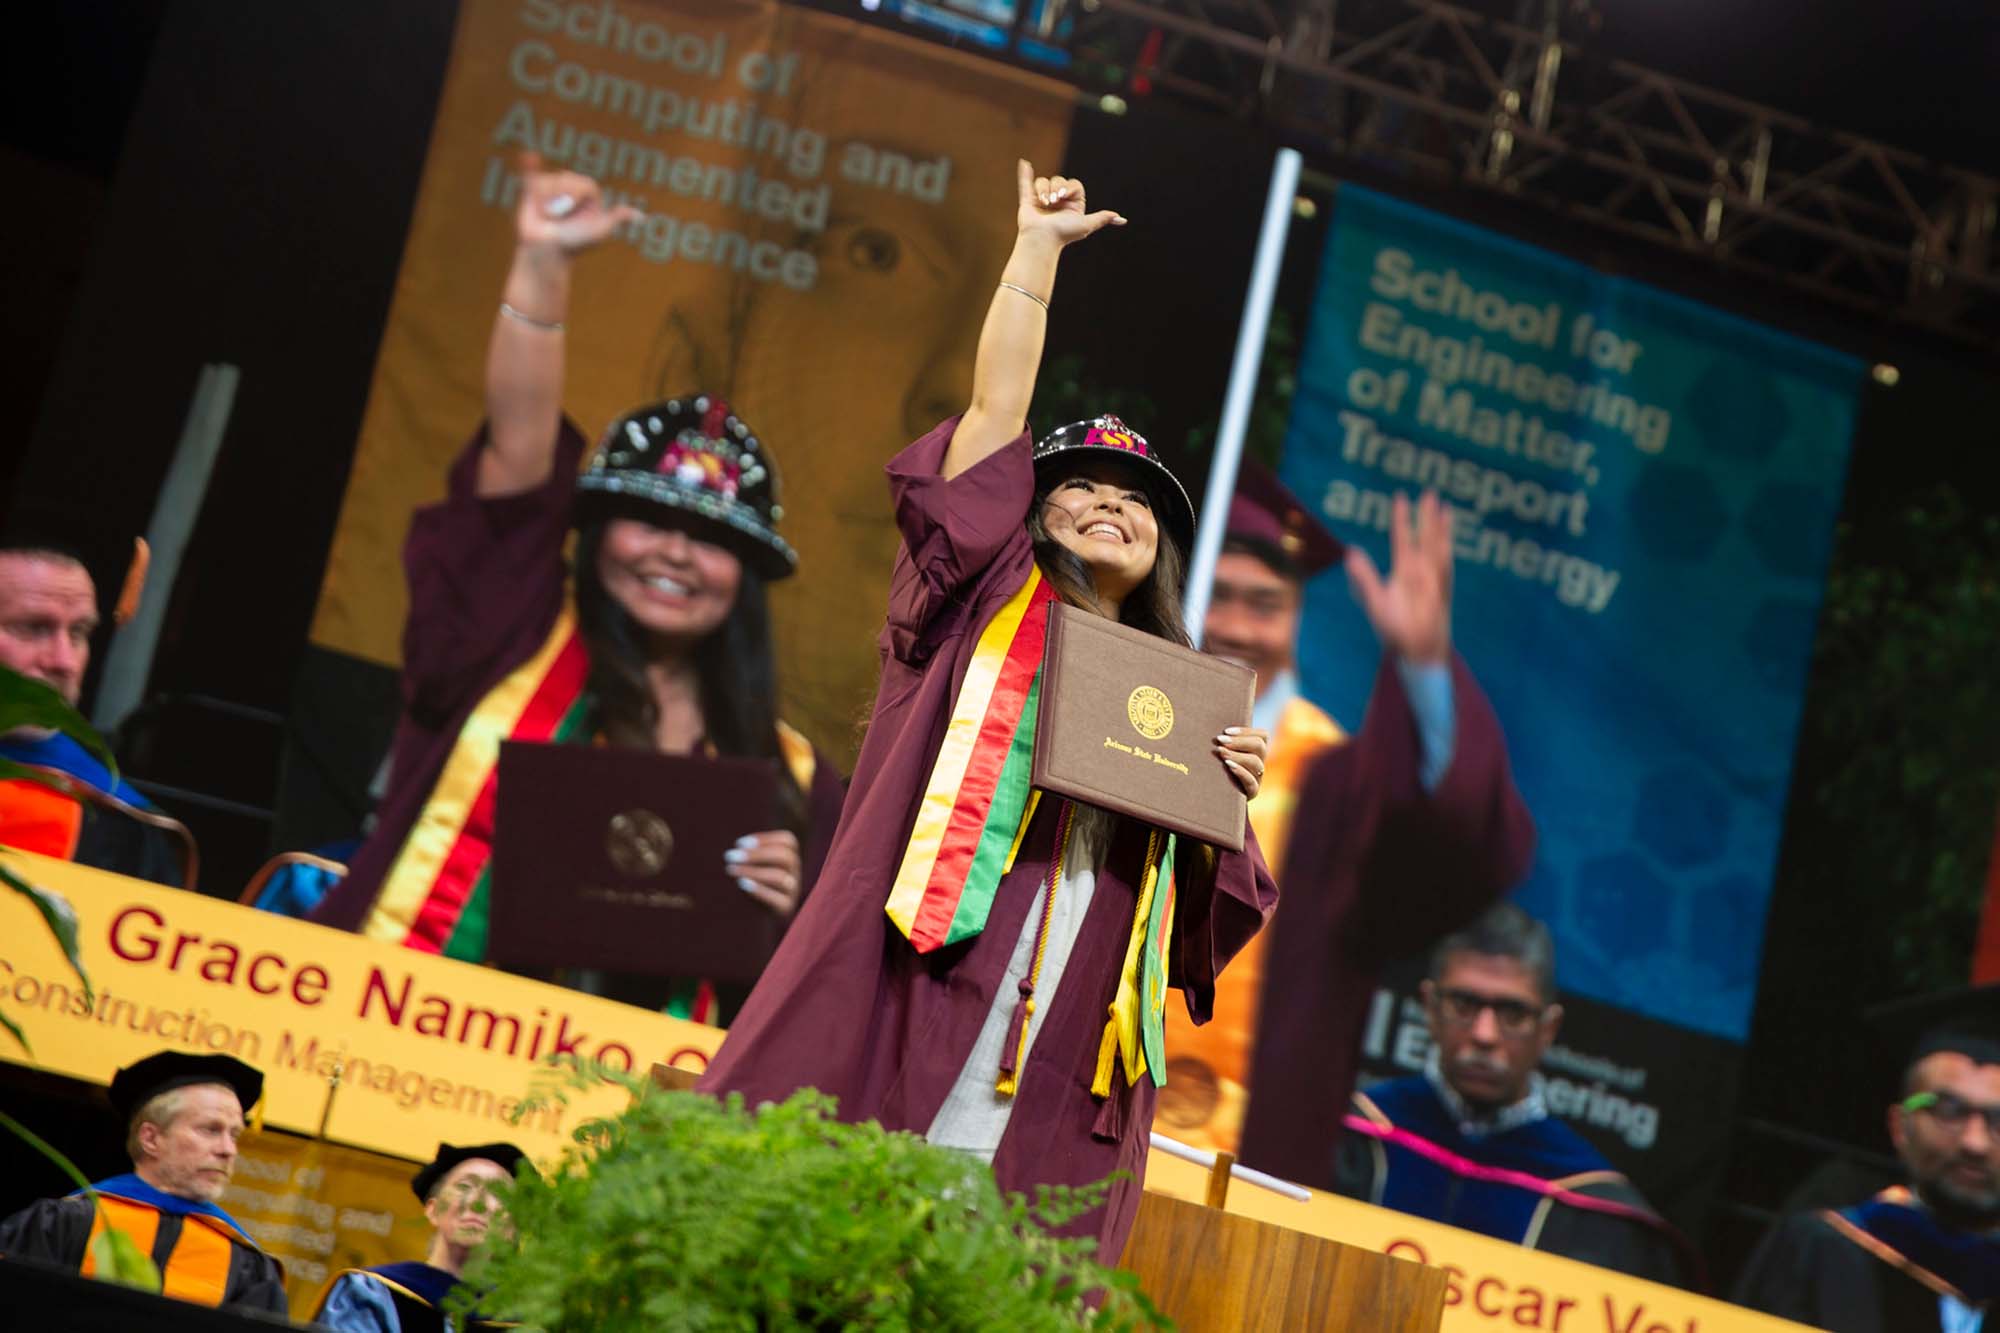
1378,870
848,1007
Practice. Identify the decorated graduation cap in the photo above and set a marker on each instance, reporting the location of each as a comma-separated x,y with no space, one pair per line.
1108,437
115,559
1965,1020
503,1155
691,462
142,1080
1271,523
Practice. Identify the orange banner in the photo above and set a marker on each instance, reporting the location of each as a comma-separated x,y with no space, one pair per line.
827,206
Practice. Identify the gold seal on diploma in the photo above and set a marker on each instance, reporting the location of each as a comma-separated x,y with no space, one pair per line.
1151,713
639,842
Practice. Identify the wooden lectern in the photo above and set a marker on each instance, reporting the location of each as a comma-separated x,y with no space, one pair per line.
1212,1272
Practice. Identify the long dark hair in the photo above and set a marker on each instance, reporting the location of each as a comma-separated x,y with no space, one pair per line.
736,674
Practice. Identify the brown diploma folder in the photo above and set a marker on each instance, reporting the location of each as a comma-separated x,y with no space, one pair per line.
612,858
1128,721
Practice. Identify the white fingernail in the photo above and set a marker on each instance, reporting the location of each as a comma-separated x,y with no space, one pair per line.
735,856
561,206
746,886
1232,731
747,841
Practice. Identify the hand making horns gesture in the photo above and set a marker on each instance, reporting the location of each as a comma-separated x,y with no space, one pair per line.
563,211
1053,206
1411,609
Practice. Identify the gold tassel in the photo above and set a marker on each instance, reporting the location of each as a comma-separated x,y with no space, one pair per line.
1107,1055
1014,1053
1010,1072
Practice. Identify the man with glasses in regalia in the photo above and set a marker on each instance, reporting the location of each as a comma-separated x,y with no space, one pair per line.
1470,1142
1922,1256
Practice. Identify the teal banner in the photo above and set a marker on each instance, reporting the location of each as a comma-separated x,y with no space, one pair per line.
1645,491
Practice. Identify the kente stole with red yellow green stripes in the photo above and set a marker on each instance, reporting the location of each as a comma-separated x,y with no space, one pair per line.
974,813
434,896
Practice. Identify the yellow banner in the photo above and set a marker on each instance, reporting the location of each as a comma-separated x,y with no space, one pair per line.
1490,1284
319,1208
827,206
384,1047
429,1050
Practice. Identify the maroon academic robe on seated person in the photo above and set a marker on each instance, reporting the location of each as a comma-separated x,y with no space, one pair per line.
1377,869
849,1007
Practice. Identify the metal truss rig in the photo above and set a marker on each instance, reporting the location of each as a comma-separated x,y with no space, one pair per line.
1449,95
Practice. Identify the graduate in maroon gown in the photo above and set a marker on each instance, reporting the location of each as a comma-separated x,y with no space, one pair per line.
1401,835
655,635
978,964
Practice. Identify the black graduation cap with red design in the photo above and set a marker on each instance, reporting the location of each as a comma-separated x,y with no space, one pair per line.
691,462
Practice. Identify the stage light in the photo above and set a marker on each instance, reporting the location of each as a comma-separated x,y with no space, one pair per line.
1887,375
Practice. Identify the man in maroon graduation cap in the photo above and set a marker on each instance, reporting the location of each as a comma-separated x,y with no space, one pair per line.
1388,838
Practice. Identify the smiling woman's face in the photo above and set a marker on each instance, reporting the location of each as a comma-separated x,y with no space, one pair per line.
675,587
1098,509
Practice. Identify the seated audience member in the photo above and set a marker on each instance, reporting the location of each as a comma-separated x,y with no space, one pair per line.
1919,1257
457,1191
183,1115
49,614
1470,1141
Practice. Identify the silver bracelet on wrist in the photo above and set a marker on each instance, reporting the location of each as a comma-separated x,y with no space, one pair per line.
1030,295
552,326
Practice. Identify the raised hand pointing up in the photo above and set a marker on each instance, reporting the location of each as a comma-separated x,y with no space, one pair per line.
1054,206
1050,215
563,211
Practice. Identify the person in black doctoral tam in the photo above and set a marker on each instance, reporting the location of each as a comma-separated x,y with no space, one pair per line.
1918,1257
183,1115
457,1191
